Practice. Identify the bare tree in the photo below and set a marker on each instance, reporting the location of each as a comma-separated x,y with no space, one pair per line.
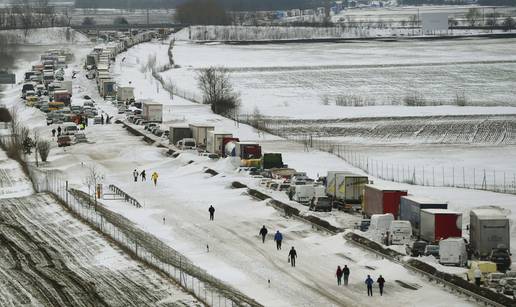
473,16
92,179
218,91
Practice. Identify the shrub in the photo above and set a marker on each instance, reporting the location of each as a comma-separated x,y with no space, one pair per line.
43,148
414,100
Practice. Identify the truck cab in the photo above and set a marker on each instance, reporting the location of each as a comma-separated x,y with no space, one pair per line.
321,204
187,143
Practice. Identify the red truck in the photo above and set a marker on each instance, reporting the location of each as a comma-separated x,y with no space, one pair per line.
381,199
439,224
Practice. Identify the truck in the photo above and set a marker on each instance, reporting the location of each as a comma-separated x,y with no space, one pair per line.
381,199
214,141
248,150
125,94
489,228
410,209
272,160
152,112
439,224
200,133
63,96
345,189
452,251
400,232
179,132
108,88
489,233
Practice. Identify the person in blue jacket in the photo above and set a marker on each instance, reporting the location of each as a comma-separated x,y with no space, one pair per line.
369,282
278,237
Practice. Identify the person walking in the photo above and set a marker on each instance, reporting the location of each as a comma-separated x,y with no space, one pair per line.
54,132
345,273
292,255
154,178
142,174
369,282
135,175
102,119
339,275
278,237
212,212
263,233
380,282
478,276
58,130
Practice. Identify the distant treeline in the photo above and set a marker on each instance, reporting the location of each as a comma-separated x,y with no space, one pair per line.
458,2
234,5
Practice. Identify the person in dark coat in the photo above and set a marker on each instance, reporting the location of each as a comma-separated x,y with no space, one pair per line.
369,282
58,130
212,212
142,174
292,255
263,233
339,275
102,119
135,175
53,132
380,282
278,237
345,273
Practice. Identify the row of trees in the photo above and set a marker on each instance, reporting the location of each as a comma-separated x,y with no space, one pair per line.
28,14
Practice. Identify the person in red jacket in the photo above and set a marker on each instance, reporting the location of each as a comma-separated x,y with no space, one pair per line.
339,275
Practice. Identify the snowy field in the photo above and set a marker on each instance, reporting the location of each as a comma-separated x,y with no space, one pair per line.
295,79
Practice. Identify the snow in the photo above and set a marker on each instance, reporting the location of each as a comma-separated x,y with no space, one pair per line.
45,36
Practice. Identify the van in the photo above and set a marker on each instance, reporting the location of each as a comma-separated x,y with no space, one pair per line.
400,232
452,251
70,130
485,267
380,224
320,204
303,194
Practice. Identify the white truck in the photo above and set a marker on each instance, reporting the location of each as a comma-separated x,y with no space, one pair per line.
200,133
125,93
152,112
214,141
303,194
400,232
452,251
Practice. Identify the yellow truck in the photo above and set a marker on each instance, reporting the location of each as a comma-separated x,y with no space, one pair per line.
485,267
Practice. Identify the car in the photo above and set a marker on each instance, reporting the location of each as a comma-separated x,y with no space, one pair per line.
432,250
210,155
417,249
149,126
70,129
364,225
63,140
158,132
80,138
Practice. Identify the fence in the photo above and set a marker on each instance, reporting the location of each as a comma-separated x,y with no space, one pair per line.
437,176
144,246
128,198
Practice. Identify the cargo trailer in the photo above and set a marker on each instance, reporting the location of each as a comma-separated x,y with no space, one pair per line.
439,224
382,199
214,141
179,132
489,229
125,93
152,112
410,209
273,160
345,188
248,150
200,133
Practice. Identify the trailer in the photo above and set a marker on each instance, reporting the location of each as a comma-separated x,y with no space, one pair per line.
346,189
439,224
273,160
179,132
489,229
382,199
124,93
200,133
107,88
410,209
152,112
214,141
248,150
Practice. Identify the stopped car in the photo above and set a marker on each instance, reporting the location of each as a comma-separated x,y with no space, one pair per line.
417,249
320,204
432,250
64,140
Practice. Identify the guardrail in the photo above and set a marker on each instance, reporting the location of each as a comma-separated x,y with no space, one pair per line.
127,198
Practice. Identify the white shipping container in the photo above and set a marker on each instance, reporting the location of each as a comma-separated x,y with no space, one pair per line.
214,141
200,133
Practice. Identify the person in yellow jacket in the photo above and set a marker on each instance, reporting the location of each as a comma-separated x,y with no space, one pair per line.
154,178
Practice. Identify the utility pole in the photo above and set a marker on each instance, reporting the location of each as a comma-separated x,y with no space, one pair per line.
147,16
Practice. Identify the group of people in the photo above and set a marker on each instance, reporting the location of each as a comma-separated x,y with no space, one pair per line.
342,272
278,238
142,174
369,283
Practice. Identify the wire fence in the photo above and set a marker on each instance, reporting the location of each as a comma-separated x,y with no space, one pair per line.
410,173
144,246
